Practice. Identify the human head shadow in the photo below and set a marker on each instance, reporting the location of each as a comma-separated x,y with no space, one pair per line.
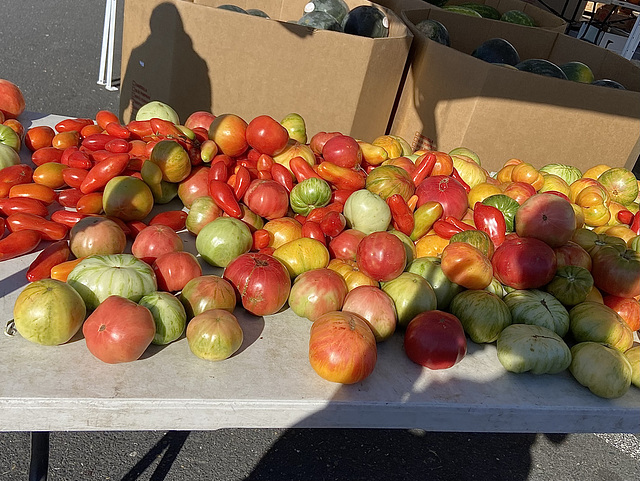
165,67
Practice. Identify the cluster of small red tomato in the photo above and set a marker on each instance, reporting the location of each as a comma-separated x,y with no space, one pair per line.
74,161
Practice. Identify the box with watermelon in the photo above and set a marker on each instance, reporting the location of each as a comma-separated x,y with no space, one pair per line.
512,11
224,56
504,90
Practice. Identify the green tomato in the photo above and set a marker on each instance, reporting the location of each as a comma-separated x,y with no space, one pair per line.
570,285
157,109
99,276
506,205
367,212
603,369
568,173
483,315
222,240
430,268
536,307
633,356
411,294
592,321
168,314
536,349
309,194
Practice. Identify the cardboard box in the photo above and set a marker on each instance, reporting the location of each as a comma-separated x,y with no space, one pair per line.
451,99
194,56
543,17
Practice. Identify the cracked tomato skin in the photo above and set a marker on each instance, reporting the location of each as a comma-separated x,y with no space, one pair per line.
262,282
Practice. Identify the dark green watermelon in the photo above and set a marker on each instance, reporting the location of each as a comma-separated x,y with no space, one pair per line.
605,82
541,66
338,9
437,3
461,10
434,30
232,8
366,21
486,11
497,50
256,12
519,17
320,20
578,72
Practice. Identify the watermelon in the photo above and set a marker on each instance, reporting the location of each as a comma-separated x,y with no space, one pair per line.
366,21
434,30
605,82
519,17
541,66
497,50
578,72
437,3
232,8
461,10
486,11
320,20
256,12
338,9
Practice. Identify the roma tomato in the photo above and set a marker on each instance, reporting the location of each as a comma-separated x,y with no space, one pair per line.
342,347
381,256
48,230
176,219
262,282
266,135
435,339
119,330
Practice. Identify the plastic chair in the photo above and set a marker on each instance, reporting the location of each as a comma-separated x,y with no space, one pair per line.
108,37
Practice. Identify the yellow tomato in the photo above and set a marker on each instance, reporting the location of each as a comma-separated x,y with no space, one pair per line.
301,255
430,245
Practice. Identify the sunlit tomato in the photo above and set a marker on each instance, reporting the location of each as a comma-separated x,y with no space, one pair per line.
48,229
262,282
301,255
317,292
524,262
435,339
381,256
333,223
267,198
207,292
90,203
466,265
430,245
445,190
118,330
62,140
376,307
38,137
155,240
342,150
342,347
214,335
228,131
174,269
628,308
96,235
345,244
266,135
283,230
50,174
195,185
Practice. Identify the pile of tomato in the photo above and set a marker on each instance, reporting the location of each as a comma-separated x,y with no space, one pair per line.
362,238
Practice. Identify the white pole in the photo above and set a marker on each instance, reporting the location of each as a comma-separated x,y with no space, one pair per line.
112,33
105,33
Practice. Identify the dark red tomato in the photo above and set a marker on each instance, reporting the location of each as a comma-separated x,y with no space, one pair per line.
313,230
267,135
262,282
381,256
435,339
524,262
69,197
171,218
333,223
13,175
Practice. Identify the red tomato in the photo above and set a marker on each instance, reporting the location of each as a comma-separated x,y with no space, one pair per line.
572,254
174,269
342,150
445,190
546,217
17,205
316,143
317,292
267,135
345,244
342,347
616,272
267,198
118,330
38,137
262,282
333,223
313,230
524,262
48,230
155,240
171,218
195,185
381,256
435,339
14,175
628,308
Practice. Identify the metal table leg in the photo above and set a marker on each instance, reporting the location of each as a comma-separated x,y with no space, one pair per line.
39,456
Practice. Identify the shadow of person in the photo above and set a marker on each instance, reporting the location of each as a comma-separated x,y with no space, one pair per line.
314,449
164,66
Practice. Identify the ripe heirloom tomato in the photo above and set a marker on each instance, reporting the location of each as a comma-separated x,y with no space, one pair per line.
342,347
38,137
466,265
266,135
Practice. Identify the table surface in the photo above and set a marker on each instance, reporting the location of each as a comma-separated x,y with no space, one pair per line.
270,383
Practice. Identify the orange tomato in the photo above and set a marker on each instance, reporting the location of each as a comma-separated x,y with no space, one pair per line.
90,203
444,164
466,265
38,137
50,174
430,245
349,271
62,140
525,172
43,193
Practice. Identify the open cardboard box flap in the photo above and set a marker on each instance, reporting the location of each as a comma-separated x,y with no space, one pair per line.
451,99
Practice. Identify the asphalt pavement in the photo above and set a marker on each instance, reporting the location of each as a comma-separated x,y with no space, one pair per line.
51,50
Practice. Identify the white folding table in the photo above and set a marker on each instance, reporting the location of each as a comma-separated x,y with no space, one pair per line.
269,383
